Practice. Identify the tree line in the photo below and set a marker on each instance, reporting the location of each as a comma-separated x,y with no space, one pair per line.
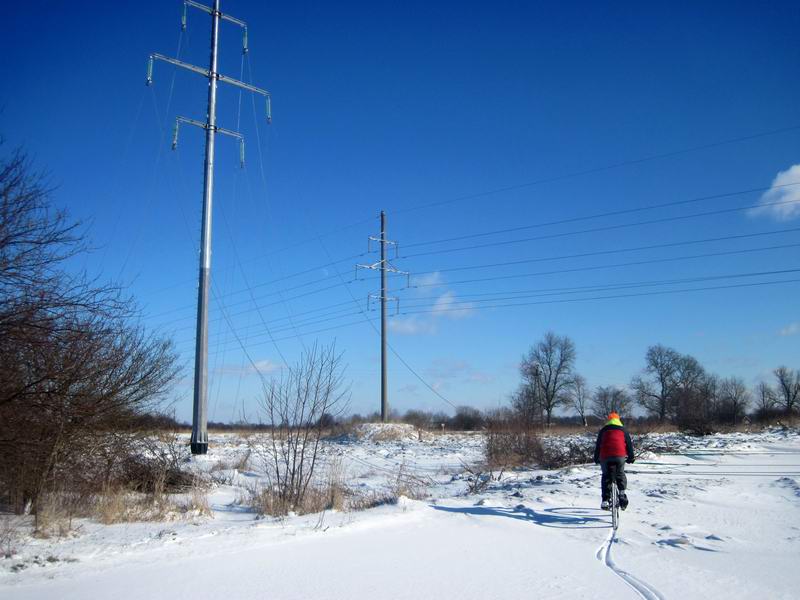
671,388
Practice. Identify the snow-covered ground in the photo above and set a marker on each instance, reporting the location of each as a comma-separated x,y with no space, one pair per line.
719,517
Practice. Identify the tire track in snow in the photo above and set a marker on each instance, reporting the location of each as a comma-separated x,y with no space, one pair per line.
643,589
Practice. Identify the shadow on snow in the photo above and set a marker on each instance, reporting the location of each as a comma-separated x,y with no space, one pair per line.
568,517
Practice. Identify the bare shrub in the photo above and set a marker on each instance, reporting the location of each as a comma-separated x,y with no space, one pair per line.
569,452
330,493
404,484
372,499
645,442
479,477
510,441
293,406
407,484
75,364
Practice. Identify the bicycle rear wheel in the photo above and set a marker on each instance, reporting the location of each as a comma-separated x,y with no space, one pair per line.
614,505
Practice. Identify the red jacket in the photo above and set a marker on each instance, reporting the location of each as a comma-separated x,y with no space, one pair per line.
613,442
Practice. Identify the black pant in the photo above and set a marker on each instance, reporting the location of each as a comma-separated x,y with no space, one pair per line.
616,464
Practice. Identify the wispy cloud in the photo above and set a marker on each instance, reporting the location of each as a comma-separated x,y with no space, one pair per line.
411,325
410,389
264,367
785,189
445,306
445,370
434,279
791,329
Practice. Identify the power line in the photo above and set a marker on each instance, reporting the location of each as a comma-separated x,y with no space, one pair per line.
551,236
615,251
536,238
560,301
561,271
612,213
608,167
293,326
613,297
613,266
272,281
553,291
502,296
333,263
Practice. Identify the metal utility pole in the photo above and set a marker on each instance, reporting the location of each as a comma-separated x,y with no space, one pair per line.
385,267
200,408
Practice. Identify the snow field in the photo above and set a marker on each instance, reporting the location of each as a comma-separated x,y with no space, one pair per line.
718,518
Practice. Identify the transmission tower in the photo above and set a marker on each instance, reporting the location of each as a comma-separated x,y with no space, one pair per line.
384,267
200,409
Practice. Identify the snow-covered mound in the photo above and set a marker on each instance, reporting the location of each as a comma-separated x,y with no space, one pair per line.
386,432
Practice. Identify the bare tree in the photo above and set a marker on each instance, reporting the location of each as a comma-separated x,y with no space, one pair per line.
75,368
672,386
548,370
292,406
579,397
655,389
467,418
527,404
734,399
766,400
608,399
788,388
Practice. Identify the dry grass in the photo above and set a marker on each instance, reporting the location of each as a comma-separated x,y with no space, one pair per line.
196,504
236,463
328,493
121,506
11,535
54,515
331,493
118,504
408,485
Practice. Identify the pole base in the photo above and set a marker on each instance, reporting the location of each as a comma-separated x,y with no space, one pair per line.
199,447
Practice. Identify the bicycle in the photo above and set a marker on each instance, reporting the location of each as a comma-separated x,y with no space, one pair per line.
612,473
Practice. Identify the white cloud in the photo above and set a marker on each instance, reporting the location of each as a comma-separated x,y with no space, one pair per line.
791,329
447,305
412,325
783,190
429,280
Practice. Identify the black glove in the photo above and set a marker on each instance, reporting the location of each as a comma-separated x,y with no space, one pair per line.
630,461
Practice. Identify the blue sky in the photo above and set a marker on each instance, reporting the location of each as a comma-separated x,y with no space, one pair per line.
458,108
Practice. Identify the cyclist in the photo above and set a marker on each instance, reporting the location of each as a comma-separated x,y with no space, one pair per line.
613,448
